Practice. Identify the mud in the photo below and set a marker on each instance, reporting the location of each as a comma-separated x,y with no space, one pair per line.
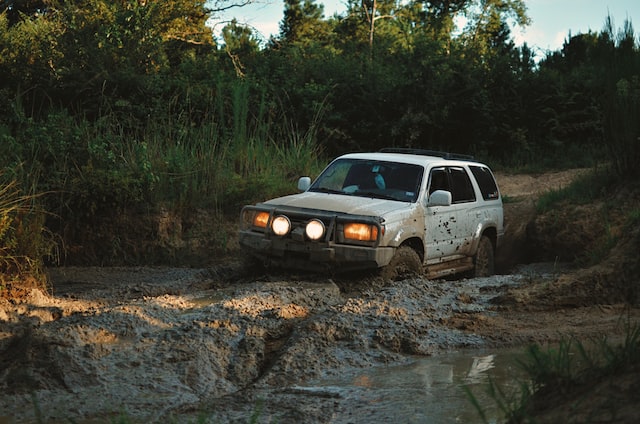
216,344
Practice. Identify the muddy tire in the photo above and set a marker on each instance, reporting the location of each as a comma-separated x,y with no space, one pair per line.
484,260
405,263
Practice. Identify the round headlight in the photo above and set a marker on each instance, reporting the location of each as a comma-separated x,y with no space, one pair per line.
314,229
281,225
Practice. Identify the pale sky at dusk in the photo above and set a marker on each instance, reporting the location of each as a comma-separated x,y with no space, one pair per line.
552,19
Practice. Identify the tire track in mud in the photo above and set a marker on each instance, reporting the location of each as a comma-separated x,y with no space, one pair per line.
160,342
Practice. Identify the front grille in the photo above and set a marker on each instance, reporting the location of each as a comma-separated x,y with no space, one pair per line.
299,217
299,222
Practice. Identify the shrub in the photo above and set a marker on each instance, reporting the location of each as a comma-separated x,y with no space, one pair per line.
23,242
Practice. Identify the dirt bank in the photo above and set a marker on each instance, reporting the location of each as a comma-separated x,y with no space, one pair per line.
159,343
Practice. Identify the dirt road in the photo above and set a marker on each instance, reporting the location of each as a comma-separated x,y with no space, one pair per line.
159,343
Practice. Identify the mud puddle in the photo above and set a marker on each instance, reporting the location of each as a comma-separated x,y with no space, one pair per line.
432,389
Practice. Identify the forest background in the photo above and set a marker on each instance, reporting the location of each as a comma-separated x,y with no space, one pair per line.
113,111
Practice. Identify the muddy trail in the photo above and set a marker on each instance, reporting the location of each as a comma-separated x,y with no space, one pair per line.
160,343
217,345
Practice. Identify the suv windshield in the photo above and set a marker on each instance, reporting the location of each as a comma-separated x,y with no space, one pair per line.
371,178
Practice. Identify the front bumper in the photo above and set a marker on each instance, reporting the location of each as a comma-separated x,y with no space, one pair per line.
313,256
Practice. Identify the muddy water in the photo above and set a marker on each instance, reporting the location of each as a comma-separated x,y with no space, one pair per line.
426,390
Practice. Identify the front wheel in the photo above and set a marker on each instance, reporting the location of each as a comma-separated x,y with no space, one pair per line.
405,263
484,258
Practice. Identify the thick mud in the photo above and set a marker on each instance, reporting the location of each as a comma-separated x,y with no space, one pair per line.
217,345
159,343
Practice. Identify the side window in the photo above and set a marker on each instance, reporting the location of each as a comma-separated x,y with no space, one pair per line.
486,182
438,180
461,184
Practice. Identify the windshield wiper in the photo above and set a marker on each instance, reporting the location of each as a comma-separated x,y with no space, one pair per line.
375,195
326,190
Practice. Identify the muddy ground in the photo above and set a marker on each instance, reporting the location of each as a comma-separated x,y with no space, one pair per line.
157,344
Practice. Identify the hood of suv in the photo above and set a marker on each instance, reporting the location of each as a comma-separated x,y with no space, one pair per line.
339,203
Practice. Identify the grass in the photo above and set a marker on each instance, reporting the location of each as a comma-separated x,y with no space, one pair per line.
112,169
23,241
585,189
560,371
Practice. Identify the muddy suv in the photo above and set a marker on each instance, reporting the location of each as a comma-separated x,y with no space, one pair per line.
397,210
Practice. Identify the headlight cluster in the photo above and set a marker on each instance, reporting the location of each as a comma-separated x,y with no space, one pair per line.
281,225
260,219
361,232
314,229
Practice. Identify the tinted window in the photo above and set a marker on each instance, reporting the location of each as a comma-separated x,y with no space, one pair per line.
406,178
439,180
487,183
462,190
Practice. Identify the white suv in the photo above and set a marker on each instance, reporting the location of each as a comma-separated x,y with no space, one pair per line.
399,210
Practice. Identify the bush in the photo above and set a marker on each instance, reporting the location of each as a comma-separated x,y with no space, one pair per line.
23,242
622,128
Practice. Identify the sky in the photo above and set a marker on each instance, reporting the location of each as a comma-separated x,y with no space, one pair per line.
552,20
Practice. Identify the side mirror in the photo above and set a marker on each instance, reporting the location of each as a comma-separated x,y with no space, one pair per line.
304,183
440,198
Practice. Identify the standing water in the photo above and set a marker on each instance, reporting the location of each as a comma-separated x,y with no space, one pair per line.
427,390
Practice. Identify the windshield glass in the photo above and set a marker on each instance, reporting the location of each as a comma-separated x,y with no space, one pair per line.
371,178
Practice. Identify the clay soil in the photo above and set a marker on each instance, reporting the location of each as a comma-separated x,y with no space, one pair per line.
217,343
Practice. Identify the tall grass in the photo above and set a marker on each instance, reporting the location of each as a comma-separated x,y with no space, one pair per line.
227,154
622,127
204,166
23,241
583,190
559,371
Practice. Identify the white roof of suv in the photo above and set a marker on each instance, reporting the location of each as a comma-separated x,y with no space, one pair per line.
413,156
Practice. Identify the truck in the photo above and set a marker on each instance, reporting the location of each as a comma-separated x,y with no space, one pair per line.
399,211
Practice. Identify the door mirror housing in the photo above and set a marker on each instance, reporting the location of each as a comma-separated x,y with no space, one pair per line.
304,183
440,198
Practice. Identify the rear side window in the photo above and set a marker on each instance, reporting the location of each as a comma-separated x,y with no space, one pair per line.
462,190
485,180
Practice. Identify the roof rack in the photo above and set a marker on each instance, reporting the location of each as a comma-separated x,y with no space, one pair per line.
425,152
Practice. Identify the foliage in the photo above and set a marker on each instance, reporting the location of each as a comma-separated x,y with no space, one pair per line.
623,127
112,107
587,188
23,240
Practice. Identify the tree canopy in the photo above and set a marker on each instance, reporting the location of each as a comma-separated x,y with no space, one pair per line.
384,72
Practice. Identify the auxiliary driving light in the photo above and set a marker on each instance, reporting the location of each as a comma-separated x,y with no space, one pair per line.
281,225
314,229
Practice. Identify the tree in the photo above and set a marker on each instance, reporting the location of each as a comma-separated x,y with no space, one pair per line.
76,52
439,17
18,10
239,43
489,17
302,22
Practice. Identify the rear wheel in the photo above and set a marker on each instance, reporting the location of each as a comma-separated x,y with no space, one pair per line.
405,263
484,258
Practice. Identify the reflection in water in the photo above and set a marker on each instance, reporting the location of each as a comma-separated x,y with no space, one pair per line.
428,390
478,371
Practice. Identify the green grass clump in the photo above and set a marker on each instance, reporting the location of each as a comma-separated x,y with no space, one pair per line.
23,241
559,371
584,189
